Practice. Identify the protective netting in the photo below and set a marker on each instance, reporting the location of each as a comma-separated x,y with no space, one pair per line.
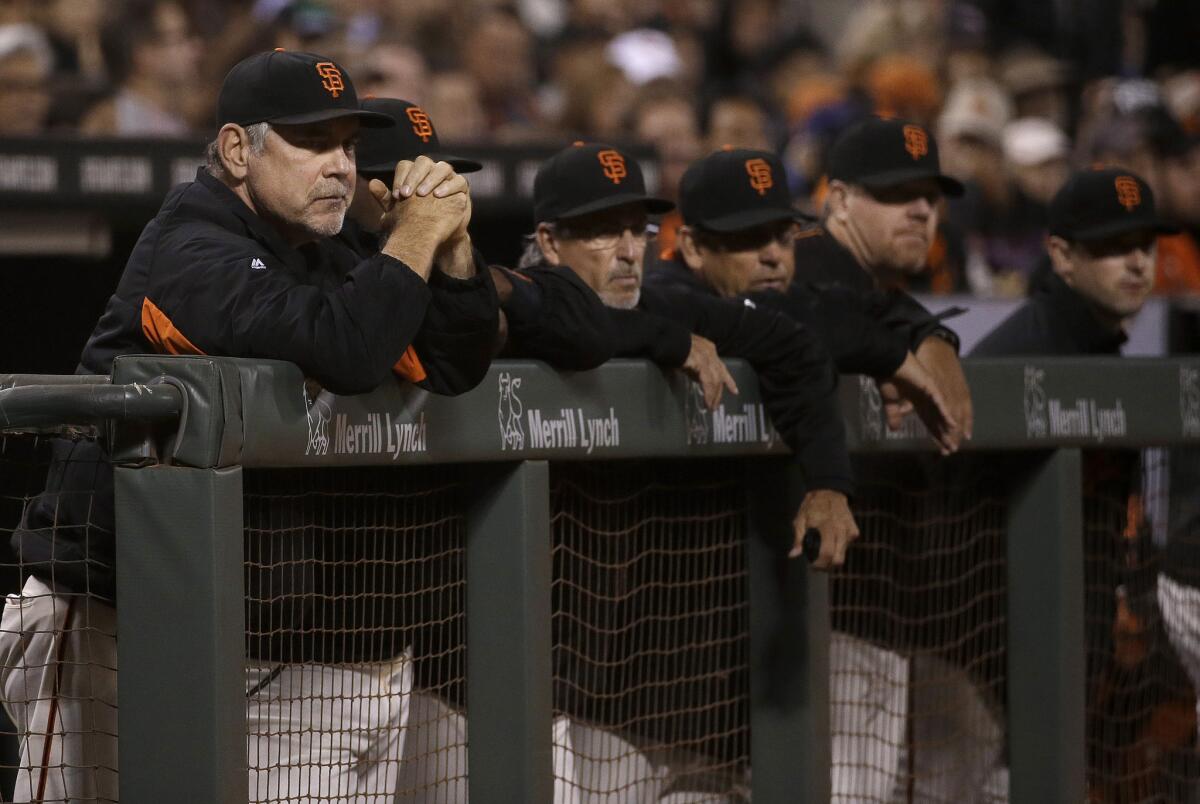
1140,518
650,630
920,632
57,641
355,635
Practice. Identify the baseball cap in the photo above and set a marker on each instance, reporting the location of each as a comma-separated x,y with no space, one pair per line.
977,108
413,135
290,88
586,178
735,189
1097,204
878,153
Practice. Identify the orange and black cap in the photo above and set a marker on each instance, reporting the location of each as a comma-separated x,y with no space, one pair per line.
586,178
878,154
413,135
735,189
1098,204
290,88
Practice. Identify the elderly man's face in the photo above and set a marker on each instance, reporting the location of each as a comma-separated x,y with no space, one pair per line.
893,227
304,178
1115,274
606,249
734,263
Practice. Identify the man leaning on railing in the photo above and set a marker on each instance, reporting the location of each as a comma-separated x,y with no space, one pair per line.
240,263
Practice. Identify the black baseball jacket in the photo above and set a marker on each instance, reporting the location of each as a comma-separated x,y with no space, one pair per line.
208,276
795,373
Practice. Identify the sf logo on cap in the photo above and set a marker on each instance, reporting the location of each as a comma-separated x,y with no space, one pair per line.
1129,195
761,178
420,123
916,141
331,78
614,165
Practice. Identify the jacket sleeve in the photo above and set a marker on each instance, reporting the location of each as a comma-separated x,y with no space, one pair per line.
454,345
224,301
638,333
858,343
795,373
553,316
903,314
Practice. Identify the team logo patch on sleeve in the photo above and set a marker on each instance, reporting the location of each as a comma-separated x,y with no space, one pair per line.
614,165
761,178
331,78
916,142
1129,194
257,265
420,123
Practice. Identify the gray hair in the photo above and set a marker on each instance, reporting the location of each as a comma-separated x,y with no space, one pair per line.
256,135
532,256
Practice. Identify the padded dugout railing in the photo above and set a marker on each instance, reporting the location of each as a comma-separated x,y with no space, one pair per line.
181,492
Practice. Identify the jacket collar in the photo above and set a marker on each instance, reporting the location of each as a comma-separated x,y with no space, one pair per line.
255,227
1079,320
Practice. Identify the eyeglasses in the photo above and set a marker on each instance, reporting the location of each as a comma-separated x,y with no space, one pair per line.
756,239
606,236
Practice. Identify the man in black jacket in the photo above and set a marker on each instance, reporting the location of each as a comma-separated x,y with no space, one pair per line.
737,240
881,213
240,263
545,314
1103,228
592,213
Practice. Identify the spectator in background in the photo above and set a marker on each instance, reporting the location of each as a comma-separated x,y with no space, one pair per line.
739,119
26,62
664,116
1037,157
1038,84
154,58
496,53
455,97
395,71
904,87
1002,229
76,28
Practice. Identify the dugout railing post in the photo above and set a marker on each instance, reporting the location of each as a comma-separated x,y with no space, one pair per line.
508,634
181,610
1046,655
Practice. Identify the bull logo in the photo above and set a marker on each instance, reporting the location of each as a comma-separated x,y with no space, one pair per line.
318,414
420,123
614,165
1037,422
870,409
1189,400
331,78
696,415
1129,194
509,412
916,141
761,178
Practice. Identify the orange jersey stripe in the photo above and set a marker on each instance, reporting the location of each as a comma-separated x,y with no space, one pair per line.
409,366
162,334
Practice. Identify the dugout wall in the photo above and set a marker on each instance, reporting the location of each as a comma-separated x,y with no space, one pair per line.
559,582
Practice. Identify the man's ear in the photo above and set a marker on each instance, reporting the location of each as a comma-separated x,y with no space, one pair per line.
1061,258
836,201
233,146
547,243
689,249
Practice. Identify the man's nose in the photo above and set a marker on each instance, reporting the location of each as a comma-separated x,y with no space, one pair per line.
920,207
627,246
771,254
340,163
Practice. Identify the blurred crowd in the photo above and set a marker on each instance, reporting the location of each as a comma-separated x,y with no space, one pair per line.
1018,91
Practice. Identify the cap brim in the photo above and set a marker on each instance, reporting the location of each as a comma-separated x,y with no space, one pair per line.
748,219
459,164
1119,227
368,119
654,206
951,187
